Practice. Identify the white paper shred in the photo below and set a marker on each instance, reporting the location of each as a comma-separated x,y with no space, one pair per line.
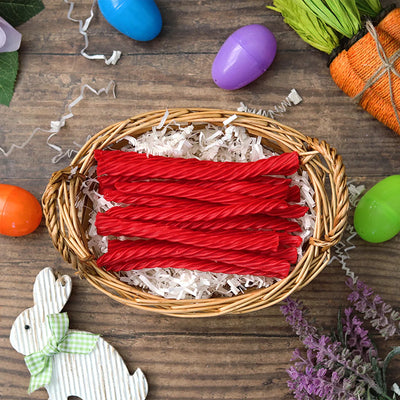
229,143
342,249
56,126
292,99
163,119
396,388
230,119
83,27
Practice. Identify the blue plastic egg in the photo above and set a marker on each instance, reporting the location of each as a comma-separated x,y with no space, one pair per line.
139,19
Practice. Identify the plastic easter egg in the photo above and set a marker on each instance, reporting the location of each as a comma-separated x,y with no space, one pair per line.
377,215
10,39
244,56
20,212
138,19
3,37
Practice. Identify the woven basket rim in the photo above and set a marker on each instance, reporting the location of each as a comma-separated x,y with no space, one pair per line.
320,160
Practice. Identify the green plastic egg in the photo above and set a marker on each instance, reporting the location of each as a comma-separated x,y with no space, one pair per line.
377,215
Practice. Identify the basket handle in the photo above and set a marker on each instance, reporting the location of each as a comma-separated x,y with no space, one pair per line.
340,194
52,203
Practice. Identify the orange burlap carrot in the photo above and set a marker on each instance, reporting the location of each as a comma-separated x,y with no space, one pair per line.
369,70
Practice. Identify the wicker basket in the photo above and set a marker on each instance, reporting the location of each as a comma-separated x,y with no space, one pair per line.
67,226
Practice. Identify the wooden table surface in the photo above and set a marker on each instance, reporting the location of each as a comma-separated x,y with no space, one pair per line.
229,357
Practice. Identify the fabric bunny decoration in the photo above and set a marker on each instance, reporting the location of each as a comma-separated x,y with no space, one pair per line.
68,362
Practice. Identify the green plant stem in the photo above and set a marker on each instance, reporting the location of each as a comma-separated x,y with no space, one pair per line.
370,8
307,25
341,15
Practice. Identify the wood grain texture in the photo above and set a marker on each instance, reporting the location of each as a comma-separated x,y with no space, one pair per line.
229,357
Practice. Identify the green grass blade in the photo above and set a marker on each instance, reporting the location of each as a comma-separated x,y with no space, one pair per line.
370,8
307,25
350,14
386,361
342,15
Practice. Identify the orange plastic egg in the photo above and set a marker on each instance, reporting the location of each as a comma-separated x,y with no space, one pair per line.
20,212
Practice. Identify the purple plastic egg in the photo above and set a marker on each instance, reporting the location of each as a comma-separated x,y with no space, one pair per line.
244,56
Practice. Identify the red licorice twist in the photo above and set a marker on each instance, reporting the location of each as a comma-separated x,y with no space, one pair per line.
195,192
262,186
118,196
121,252
271,207
242,222
151,201
136,165
201,265
225,217
293,194
230,240
288,240
285,253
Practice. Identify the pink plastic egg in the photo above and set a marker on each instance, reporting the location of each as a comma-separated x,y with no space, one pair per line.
244,56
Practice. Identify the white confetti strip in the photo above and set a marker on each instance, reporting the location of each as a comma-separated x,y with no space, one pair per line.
230,119
55,126
83,27
292,99
163,119
342,249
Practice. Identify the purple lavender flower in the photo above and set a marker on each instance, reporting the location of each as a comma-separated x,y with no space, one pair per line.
336,357
381,315
356,337
308,381
295,314
330,371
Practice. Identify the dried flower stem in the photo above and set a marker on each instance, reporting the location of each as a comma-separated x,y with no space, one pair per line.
381,315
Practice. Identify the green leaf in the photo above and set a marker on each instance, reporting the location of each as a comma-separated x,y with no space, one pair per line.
8,74
340,337
386,361
378,374
341,15
16,12
369,7
307,25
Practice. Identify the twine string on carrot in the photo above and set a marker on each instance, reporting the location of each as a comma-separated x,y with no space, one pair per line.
386,67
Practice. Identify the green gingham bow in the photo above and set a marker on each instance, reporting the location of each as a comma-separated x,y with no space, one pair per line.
40,364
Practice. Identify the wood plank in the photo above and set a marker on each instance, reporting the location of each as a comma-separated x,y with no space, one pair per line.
189,366
160,87
232,356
